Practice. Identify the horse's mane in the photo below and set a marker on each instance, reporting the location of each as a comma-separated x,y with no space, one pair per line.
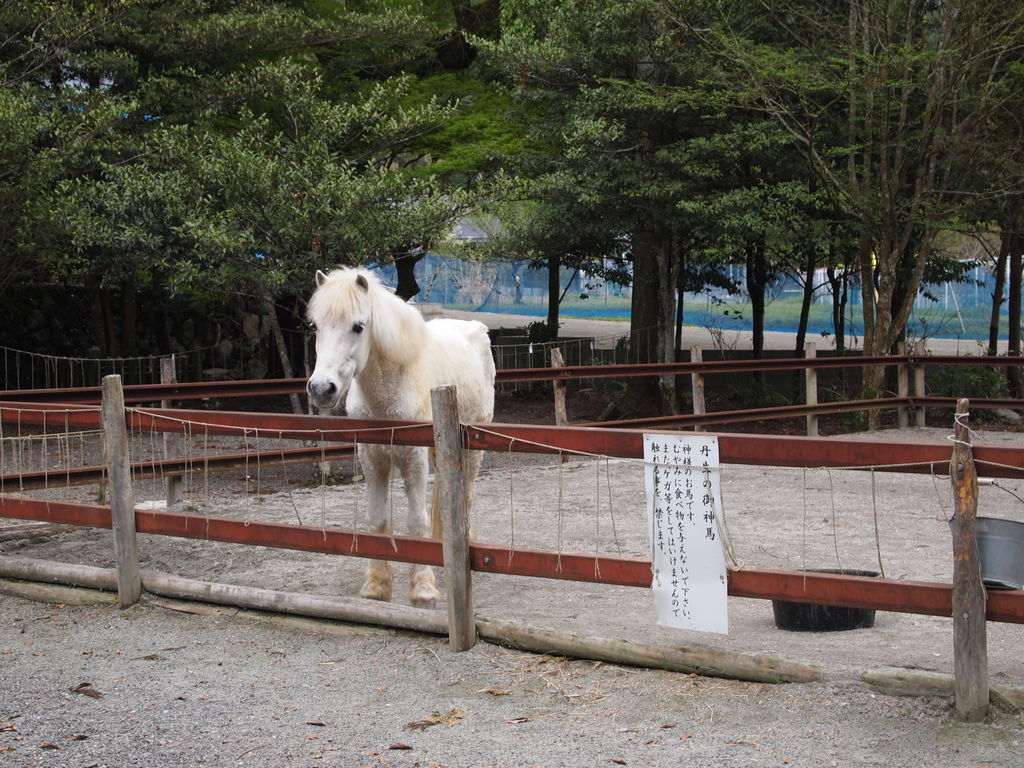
396,329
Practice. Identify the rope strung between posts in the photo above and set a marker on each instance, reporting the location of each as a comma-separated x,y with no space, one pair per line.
835,529
872,468
550,448
86,371
511,506
150,419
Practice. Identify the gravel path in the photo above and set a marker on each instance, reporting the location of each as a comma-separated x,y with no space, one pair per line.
159,686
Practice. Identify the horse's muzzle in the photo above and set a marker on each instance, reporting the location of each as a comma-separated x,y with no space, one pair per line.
323,393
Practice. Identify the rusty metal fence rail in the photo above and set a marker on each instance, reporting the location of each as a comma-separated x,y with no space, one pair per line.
340,433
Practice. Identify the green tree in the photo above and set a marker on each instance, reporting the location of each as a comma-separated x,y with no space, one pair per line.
304,184
254,143
893,102
48,127
595,76
641,140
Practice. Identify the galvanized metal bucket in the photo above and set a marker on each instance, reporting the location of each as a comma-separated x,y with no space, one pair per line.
1001,549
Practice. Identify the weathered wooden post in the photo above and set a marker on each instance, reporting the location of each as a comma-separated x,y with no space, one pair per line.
122,497
811,387
561,414
697,386
970,649
448,474
919,415
172,440
902,388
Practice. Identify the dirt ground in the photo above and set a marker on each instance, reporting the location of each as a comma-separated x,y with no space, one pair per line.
188,684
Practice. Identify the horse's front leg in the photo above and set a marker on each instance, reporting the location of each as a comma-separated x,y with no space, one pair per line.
376,462
423,591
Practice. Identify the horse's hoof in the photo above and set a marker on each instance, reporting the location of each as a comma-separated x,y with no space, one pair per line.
425,601
423,591
375,591
377,586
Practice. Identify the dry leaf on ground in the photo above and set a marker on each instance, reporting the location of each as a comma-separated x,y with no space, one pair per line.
86,689
436,718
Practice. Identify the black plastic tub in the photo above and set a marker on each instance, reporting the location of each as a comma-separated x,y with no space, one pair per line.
812,617
1001,550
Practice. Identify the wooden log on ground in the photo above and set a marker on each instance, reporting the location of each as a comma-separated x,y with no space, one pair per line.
899,681
1007,697
302,604
31,569
454,517
33,530
970,648
56,594
701,660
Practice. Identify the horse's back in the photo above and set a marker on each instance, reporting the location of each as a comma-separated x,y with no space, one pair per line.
460,354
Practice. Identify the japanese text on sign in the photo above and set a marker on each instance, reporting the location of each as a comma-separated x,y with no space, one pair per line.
684,507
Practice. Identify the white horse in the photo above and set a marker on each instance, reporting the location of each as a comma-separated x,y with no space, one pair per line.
377,352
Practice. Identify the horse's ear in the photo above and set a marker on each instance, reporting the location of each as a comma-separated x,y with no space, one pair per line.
362,282
321,278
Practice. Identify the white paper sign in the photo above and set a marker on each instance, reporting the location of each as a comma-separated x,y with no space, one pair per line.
684,506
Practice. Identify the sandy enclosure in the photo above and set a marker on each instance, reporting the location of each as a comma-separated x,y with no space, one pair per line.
775,518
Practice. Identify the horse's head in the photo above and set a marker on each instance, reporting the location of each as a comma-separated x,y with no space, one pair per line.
340,310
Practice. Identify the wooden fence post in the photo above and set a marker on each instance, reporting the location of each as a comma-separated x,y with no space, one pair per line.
919,415
561,414
902,388
970,649
122,497
172,440
697,385
811,388
455,518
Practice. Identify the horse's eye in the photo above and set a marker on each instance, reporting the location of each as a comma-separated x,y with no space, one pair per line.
358,327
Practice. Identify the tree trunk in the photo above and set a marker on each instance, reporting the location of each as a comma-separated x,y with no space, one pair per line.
129,319
655,277
805,310
808,296
1016,257
282,347
891,271
678,344
104,328
644,301
873,375
99,326
839,284
999,273
405,266
757,283
554,294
